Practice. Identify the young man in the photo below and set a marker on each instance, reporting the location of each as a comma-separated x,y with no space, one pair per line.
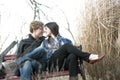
28,60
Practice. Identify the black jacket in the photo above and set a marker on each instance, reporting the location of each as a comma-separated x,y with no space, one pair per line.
27,45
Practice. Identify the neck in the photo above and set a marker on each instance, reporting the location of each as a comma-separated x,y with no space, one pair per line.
34,36
54,37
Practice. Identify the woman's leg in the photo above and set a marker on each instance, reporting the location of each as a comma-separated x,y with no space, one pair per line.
62,62
58,57
56,62
67,49
72,64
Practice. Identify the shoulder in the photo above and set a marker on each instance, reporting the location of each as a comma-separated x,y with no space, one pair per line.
68,40
26,40
65,40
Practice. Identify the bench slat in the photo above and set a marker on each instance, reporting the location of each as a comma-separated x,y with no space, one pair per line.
9,57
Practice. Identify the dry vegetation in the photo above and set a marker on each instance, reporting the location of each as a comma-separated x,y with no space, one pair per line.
101,34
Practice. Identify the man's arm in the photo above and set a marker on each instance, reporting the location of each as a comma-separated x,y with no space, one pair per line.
21,47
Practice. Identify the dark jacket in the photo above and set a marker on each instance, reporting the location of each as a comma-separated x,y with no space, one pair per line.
27,45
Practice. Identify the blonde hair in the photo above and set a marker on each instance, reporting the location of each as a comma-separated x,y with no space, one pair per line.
34,25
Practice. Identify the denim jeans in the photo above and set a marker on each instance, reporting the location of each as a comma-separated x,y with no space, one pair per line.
30,62
26,70
36,54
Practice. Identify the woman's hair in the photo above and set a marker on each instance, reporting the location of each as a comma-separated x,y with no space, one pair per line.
34,25
53,27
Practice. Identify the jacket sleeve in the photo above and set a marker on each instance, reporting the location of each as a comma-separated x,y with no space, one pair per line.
69,41
21,48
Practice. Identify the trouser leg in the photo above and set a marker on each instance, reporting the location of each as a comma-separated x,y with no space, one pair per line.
56,62
26,71
70,49
72,64
69,63
43,60
36,54
62,53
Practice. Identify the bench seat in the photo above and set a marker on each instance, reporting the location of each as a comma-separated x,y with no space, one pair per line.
47,75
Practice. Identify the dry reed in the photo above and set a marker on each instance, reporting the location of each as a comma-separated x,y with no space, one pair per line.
101,26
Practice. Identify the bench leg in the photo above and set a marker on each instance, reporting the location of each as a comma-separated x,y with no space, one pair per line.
82,72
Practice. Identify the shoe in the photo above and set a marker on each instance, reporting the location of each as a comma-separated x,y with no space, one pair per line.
94,58
9,66
2,72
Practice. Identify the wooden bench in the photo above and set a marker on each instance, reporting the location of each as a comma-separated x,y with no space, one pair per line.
47,75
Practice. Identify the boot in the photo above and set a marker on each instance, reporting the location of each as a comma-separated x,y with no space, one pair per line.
73,78
2,72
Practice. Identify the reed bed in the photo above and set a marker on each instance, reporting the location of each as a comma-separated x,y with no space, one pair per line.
101,34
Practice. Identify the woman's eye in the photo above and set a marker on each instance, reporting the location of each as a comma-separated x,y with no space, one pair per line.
45,28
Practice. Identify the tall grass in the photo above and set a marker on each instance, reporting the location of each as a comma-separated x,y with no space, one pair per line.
101,28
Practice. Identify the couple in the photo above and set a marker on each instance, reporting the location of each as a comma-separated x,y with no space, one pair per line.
49,50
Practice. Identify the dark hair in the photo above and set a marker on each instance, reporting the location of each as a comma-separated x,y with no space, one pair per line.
53,26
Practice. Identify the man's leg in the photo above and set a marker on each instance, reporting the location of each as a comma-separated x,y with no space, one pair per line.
35,54
26,71
35,66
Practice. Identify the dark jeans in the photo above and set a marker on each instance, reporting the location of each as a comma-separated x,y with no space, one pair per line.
69,53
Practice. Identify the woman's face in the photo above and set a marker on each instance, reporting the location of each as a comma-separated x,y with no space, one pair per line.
47,31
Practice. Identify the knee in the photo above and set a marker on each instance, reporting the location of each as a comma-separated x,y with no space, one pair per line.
27,65
72,57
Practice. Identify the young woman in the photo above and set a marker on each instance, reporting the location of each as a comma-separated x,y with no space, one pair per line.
59,49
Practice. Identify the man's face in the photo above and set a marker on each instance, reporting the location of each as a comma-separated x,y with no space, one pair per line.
39,32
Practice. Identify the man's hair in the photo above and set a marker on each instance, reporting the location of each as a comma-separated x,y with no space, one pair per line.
34,25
